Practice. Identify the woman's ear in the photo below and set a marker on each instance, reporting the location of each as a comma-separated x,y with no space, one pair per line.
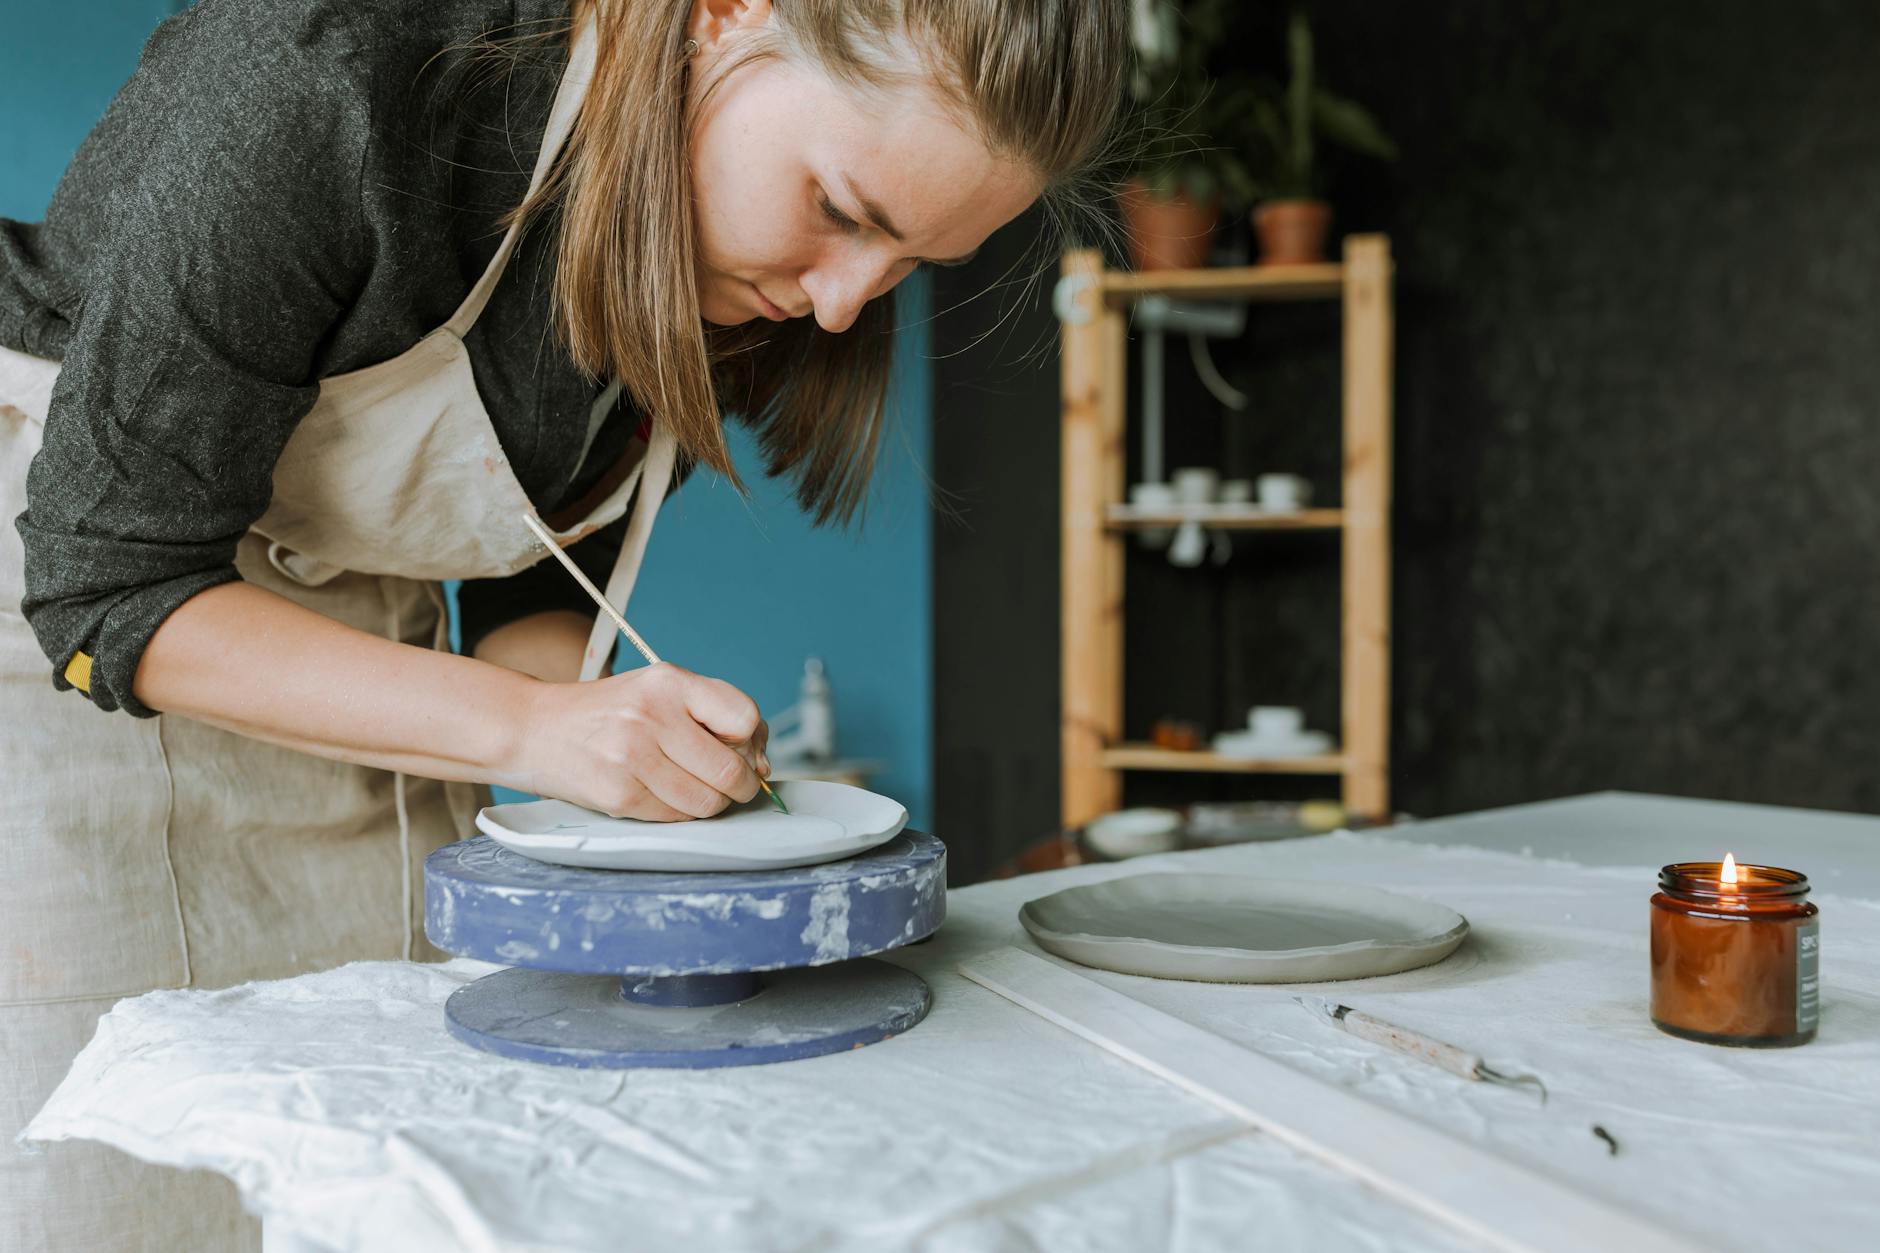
713,20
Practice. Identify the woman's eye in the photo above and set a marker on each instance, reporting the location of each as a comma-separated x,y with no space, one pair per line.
842,221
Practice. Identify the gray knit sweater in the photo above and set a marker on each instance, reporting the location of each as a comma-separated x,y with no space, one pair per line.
286,189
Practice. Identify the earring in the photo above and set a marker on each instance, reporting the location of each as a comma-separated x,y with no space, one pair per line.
690,48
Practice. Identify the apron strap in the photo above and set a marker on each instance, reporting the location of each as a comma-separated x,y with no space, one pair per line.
655,478
561,115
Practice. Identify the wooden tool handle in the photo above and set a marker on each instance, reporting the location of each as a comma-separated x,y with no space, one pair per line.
547,537
1456,1061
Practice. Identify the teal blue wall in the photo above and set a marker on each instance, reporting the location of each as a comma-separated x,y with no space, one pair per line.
741,590
60,64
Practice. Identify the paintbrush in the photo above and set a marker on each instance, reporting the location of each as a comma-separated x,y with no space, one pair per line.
633,636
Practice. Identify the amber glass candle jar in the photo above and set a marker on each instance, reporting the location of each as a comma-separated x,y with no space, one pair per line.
1735,962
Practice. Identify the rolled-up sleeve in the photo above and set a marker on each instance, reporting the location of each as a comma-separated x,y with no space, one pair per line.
233,245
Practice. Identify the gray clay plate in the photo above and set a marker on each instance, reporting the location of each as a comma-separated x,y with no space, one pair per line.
1240,929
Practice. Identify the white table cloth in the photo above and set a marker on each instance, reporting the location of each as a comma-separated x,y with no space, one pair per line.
352,1121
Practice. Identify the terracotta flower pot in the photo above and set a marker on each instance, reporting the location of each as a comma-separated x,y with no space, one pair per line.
1292,232
1165,233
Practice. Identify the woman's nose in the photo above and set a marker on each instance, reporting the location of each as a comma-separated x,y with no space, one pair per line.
839,287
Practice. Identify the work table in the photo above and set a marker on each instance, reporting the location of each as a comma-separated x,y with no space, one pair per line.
352,1121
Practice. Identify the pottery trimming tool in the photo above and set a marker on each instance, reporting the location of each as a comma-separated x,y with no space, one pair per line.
607,607
1456,1061
1482,1192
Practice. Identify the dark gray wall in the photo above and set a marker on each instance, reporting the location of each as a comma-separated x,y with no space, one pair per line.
1638,424
995,557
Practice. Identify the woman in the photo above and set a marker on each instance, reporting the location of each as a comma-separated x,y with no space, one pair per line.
318,312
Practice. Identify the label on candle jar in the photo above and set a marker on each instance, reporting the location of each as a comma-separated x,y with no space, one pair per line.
1807,975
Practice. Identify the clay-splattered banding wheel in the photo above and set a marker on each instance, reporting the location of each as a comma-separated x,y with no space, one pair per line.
483,901
668,969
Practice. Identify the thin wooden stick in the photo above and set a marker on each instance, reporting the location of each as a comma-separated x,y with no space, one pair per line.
542,533
646,650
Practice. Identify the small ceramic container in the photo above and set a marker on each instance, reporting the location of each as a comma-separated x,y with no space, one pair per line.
1283,491
1194,485
1152,495
1276,722
1134,833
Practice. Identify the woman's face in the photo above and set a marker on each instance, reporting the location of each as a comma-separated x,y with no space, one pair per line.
812,198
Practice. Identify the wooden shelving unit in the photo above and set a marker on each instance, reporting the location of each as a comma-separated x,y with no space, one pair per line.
1093,308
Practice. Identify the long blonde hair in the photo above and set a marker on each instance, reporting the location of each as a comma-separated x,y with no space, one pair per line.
1039,80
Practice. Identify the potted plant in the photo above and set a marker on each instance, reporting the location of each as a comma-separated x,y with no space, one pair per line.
1291,220
1181,181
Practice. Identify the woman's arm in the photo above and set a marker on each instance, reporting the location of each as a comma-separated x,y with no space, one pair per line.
225,240
658,742
546,645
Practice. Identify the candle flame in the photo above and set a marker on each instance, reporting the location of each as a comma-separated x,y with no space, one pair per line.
1729,869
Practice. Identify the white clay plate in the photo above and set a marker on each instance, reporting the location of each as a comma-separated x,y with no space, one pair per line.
826,821
1240,929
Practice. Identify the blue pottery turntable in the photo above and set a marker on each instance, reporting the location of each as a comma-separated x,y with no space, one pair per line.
619,969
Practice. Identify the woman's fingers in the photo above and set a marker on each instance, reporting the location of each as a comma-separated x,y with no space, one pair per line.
710,760
647,807
680,789
720,708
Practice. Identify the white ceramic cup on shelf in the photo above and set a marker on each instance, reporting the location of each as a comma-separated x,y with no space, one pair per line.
1283,492
1276,722
1235,492
1194,485
1152,495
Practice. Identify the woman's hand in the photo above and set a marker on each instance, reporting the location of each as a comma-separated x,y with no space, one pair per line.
658,743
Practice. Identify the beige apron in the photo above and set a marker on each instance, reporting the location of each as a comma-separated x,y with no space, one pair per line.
138,854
